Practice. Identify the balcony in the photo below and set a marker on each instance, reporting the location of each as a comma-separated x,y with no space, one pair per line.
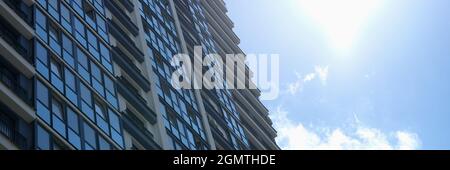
7,130
122,17
211,94
127,4
12,79
134,98
130,68
126,41
23,10
214,114
137,129
10,133
255,134
19,15
219,138
16,40
16,91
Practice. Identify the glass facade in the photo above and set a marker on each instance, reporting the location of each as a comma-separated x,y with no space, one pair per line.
182,118
202,37
76,93
101,78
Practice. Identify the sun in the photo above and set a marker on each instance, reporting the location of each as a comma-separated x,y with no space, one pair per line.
341,20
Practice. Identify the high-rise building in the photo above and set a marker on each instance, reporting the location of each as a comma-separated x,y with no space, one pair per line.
96,75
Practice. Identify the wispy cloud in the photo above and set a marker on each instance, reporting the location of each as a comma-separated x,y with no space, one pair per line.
322,72
294,135
309,77
407,141
297,86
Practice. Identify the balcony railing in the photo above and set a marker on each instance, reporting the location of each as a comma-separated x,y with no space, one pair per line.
122,17
130,68
127,4
133,97
10,78
7,129
134,127
126,41
131,89
21,9
214,114
220,138
15,40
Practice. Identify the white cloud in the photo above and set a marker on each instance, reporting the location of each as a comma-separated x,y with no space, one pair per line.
293,135
323,73
407,141
297,86
309,77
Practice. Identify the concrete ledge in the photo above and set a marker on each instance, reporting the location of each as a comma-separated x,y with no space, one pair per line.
17,22
20,63
29,2
16,104
6,144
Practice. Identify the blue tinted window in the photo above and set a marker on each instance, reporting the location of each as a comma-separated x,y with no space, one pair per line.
42,3
57,108
111,99
74,139
53,8
43,112
43,138
59,126
89,135
66,18
40,18
82,59
41,25
72,96
98,87
42,93
41,53
104,51
72,120
114,120
101,23
70,79
67,44
77,4
87,110
100,109
53,32
101,123
79,26
117,137
80,32
109,84
92,39
53,3
55,67
104,145
68,50
56,75
65,13
83,65
95,71
85,94
71,87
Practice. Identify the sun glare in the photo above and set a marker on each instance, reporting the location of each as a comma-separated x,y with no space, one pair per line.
341,20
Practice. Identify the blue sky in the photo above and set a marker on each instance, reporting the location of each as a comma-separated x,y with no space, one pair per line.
379,81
